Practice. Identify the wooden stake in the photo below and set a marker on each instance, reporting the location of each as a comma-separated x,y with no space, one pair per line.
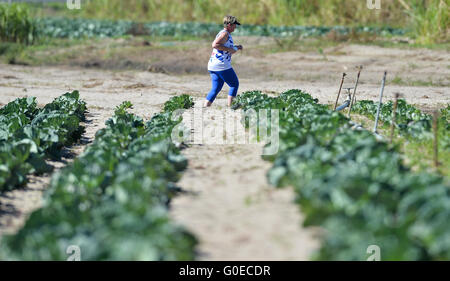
435,140
394,116
340,88
380,102
354,91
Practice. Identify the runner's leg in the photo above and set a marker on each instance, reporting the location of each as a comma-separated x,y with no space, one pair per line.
230,77
217,84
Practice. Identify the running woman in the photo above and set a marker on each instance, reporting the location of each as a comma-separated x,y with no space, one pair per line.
219,65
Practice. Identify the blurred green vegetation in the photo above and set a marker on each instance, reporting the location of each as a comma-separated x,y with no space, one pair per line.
16,24
426,21
431,22
429,19
273,12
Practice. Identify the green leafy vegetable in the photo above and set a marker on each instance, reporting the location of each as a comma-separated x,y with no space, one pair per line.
28,135
112,201
355,187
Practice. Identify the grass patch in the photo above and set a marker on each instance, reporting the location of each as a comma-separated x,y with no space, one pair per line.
412,66
418,83
52,51
316,44
407,45
296,44
419,156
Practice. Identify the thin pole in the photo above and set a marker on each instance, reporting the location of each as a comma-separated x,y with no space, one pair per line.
394,116
354,91
435,140
340,88
379,105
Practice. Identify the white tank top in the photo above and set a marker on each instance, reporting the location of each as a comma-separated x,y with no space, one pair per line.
221,60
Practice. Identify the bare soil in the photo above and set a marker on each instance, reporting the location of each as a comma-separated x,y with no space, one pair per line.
228,204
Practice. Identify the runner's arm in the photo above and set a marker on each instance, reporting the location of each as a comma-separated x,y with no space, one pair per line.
219,42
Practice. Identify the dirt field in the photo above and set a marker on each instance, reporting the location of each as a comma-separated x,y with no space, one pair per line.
229,206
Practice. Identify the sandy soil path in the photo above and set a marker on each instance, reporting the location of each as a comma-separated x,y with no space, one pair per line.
230,207
148,91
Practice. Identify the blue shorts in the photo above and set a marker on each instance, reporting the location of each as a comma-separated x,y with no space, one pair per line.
218,78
